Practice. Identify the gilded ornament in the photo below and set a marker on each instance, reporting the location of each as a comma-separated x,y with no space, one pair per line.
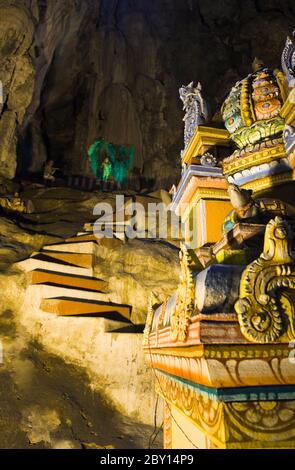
260,313
258,131
246,105
185,298
261,420
195,108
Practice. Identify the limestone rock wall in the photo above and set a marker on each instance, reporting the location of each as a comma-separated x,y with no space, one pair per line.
17,77
74,70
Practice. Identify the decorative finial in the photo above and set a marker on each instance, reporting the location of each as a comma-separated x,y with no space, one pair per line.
195,107
257,64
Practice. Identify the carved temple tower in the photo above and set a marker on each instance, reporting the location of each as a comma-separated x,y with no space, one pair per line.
222,347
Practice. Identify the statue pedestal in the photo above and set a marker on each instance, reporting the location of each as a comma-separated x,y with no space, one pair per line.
237,397
222,348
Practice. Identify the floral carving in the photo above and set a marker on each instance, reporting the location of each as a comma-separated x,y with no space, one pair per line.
259,308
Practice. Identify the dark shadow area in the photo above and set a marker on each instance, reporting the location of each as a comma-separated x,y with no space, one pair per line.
45,399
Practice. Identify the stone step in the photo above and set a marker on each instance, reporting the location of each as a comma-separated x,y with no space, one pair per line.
81,260
37,262
82,245
68,306
40,276
117,230
91,237
82,238
119,226
78,247
49,291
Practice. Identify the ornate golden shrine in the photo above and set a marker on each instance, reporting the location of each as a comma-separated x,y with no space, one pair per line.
222,345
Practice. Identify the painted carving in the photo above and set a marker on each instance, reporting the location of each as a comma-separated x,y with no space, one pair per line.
265,95
208,159
205,412
246,209
242,202
259,309
251,110
289,138
185,296
247,112
264,420
234,423
195,107
288,60
225,366
258,131
231,110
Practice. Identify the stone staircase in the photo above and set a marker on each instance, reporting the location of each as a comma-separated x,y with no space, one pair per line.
61,277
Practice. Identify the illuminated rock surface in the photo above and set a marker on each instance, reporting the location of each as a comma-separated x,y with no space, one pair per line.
68,67
63,385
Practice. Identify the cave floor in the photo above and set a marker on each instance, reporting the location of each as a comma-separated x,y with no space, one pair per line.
46,403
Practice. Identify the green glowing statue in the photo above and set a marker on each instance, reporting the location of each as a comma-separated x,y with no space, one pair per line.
110,162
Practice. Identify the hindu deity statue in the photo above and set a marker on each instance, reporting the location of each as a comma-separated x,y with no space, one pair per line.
49,172
110,162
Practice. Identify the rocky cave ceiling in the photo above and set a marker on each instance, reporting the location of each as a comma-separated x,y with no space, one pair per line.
75,70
